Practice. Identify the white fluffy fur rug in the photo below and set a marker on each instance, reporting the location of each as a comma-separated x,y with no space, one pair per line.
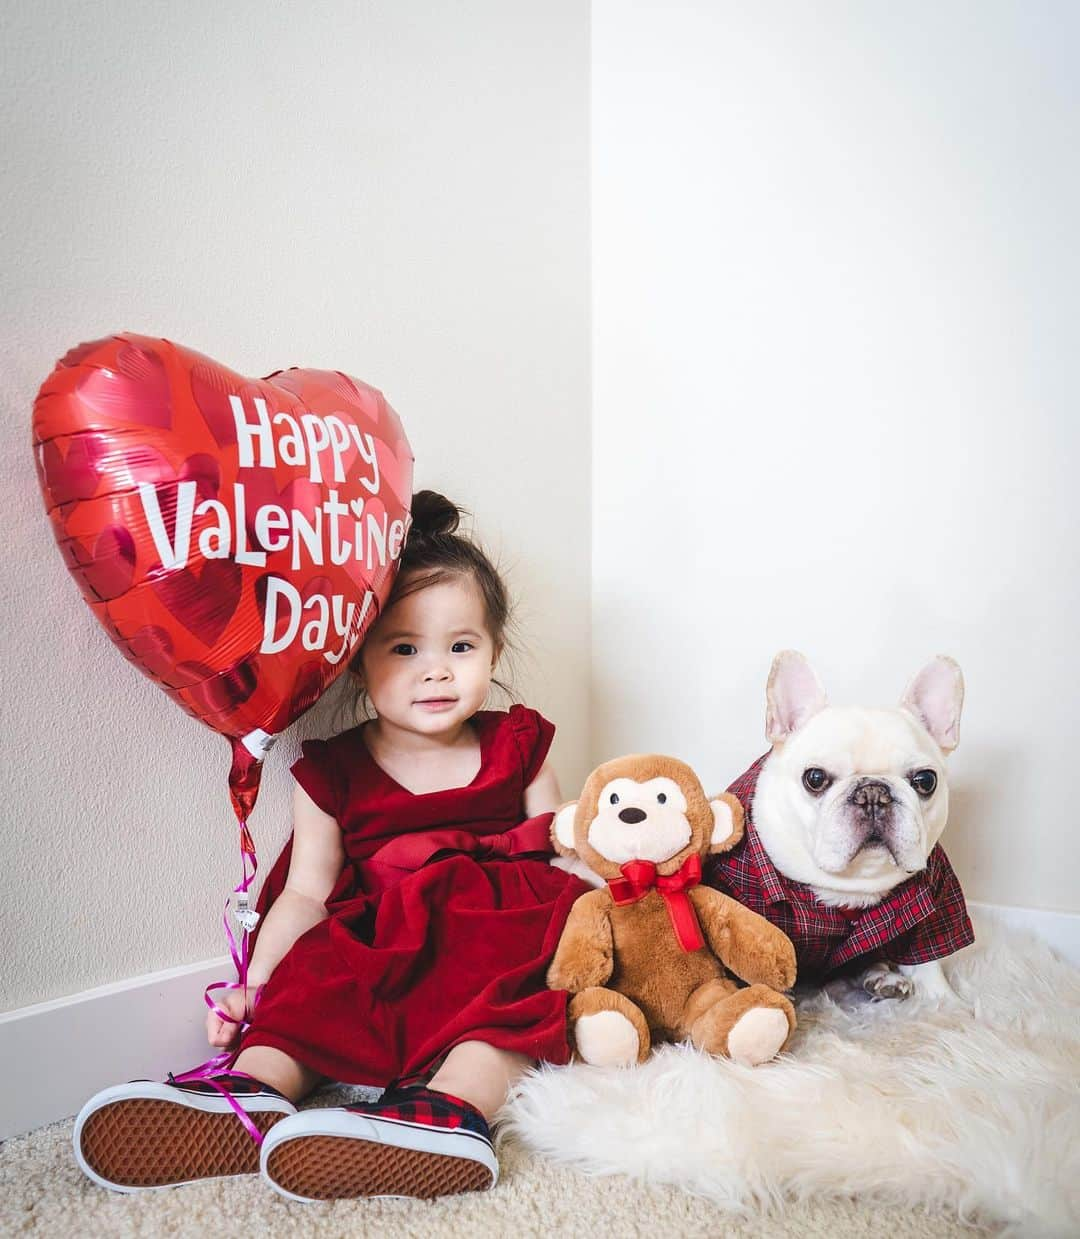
973,1109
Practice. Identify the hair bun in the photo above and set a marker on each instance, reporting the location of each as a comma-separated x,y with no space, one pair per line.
433,514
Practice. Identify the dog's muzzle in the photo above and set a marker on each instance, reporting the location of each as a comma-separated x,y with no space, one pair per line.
872,803
872,797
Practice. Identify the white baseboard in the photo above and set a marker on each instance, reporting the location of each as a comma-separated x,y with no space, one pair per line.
1059,930
57,1054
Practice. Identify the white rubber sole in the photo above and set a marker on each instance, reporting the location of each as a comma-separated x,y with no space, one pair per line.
187,1106
355,1134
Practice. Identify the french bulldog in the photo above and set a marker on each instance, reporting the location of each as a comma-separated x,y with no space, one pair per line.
844,815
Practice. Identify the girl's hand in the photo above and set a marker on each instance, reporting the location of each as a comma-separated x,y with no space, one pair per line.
219,1032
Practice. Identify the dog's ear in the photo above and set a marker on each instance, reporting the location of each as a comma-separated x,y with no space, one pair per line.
793,695
728,822
935,696
562,829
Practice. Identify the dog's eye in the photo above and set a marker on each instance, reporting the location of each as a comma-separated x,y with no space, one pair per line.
815,780
661,798
924,782
614,798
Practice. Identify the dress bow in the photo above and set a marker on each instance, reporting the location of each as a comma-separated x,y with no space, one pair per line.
413,851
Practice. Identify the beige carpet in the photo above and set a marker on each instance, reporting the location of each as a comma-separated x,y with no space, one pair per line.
42,1192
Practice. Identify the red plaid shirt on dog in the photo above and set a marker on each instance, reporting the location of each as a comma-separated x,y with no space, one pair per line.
922,919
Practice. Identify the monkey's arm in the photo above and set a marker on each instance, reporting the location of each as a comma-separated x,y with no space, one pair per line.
585,953
754,950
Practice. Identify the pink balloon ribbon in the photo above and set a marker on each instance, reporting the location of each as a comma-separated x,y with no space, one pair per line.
220,1063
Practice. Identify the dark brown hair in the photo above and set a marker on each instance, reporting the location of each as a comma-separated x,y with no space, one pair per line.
434,551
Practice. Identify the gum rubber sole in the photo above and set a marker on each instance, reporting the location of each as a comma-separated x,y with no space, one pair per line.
341,1167
146,1142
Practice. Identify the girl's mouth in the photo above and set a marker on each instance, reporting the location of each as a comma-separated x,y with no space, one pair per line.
437,703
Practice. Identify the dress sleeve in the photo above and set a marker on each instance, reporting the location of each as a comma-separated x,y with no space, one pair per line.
947,928
318,774
533,734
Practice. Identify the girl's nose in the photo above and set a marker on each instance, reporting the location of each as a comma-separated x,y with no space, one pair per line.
437,671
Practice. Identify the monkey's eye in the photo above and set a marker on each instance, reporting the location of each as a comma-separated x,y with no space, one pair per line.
815,780
661,798
924,782
614,798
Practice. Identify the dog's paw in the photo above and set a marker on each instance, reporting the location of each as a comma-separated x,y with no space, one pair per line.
882,981
931,984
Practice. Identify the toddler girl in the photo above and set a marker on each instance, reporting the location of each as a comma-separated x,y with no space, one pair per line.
406,933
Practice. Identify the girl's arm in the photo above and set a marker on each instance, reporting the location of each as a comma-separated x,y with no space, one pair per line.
314,868
542,795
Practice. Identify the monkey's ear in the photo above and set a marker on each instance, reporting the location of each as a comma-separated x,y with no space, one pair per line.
562,829
728,822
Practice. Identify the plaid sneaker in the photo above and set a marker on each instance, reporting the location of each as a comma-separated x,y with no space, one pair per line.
144,1134
411,1142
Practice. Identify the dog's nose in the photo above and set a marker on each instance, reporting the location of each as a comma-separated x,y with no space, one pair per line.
631,816
872,796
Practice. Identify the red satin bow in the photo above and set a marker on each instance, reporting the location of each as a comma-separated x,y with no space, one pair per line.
640,877
412,851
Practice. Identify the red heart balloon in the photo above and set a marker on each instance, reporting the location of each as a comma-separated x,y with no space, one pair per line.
236,537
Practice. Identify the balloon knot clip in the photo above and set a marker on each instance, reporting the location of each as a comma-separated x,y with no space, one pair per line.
246,916
258,743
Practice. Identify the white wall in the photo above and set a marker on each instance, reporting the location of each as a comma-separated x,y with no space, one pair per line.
399,191
835,381
836,376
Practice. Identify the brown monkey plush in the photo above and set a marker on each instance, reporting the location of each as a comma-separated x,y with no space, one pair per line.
646,956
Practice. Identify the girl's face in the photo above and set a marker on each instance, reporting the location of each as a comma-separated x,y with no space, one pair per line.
428,661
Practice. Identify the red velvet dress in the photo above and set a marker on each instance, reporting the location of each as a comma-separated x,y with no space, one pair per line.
442,924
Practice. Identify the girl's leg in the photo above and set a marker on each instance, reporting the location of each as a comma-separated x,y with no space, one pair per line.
278,1069
415,1141
145,1134
479,1074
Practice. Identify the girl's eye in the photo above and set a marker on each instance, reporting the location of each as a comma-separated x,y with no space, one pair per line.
461,647
661,798
924,782
403,648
